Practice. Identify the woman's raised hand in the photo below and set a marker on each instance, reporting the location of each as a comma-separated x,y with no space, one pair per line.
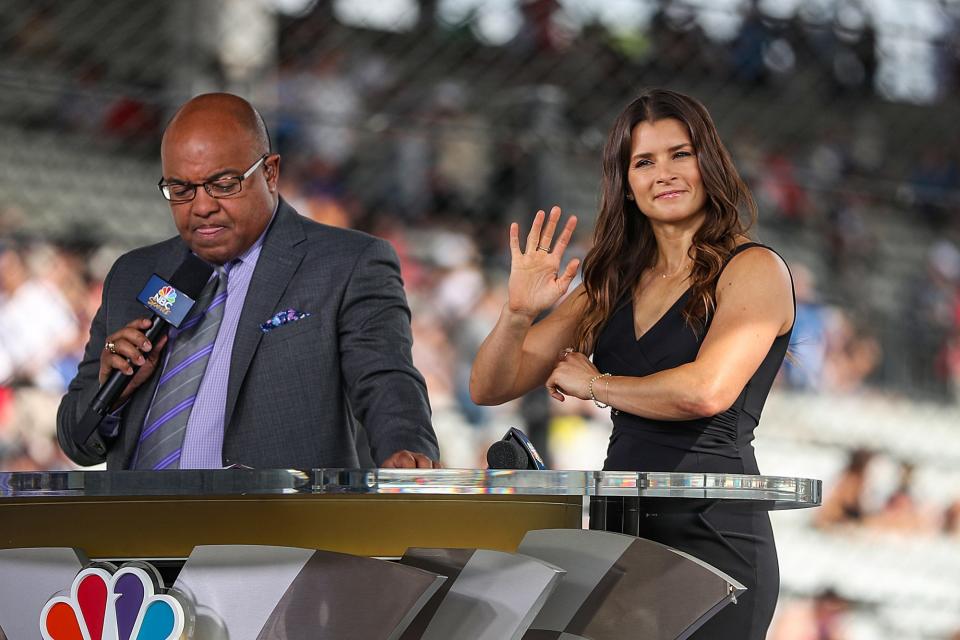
536,282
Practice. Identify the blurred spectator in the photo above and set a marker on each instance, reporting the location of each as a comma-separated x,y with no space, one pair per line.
804,368
543,29
828,162
443,164
932,322
951,359
947,49
435,358
460,164
850,242
779,192
750,48
844,504
853,353
36,35
865,50
319,109
933,187
824,617
317,203
678,39
84,104
131,118
467,336
901,513
460,283
951,519
854,60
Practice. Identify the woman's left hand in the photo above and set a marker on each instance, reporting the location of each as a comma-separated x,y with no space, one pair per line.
571,376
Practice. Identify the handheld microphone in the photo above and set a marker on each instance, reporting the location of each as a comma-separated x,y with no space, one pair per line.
514,451
170,304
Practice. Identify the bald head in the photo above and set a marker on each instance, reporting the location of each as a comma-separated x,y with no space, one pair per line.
214,140
220,109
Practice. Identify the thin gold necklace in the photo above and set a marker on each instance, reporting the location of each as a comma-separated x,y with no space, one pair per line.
677,272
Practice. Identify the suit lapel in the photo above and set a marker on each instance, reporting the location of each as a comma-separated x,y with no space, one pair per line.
140,401
279,259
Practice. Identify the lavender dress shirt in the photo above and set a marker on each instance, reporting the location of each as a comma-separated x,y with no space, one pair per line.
203,440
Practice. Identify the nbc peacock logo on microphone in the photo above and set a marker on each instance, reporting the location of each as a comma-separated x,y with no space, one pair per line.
119,606
163,300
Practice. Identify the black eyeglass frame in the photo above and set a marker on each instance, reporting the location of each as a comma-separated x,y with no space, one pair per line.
207,186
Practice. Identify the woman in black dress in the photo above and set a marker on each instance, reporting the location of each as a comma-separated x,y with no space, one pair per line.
687,321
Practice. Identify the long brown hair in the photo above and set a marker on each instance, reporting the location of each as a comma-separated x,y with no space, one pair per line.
623,240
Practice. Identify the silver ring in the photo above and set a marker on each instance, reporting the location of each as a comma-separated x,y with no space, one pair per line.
111,347
545,249
566,352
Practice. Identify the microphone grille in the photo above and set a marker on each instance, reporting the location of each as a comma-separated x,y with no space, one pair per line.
191,276
506,455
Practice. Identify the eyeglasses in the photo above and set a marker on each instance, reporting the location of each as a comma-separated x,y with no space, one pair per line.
225,187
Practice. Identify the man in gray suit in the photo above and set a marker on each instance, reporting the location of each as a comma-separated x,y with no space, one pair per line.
307,327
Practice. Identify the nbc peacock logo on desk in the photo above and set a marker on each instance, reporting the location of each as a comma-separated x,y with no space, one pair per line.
113,606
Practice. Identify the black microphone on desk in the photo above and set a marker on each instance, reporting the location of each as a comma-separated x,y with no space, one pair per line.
514,451
170,303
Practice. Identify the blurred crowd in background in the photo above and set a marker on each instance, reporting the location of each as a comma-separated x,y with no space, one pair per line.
852,503
438,129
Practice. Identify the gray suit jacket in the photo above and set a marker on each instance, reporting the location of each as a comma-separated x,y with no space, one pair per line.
295,394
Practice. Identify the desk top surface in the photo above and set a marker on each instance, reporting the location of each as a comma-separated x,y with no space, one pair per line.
775,491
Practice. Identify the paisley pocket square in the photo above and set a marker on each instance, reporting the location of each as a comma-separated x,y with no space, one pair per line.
282,318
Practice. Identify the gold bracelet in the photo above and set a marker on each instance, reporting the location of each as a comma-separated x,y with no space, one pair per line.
592,396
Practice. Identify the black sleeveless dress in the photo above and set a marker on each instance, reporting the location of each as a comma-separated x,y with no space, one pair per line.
736,540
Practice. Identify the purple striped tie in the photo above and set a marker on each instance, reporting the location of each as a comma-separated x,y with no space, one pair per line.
186,360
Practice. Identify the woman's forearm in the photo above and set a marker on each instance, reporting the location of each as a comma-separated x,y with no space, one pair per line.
674,394
497,365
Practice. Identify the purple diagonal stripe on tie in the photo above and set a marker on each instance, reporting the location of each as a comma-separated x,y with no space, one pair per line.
220,299
191,341
169,414
192,322
166,461
186,363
